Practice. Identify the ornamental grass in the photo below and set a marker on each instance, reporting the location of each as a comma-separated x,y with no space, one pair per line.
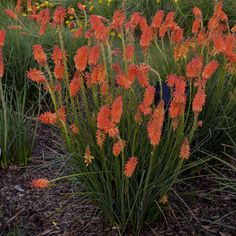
129,126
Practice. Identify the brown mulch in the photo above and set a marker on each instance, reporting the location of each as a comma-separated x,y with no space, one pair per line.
63,210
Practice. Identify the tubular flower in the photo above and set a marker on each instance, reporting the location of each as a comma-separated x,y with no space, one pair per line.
194,68
81,58
146,37
40,183
177,35
157,20
155,125
98,74
59,71
48,118
118,147
129,52
209,69
74,129
199,100
143,23
18,6
142,75
196,25
61,114
130,166
57,55
185,150
135,19
162,30
1,64
39,55
59,16
103,118
94,54
197,12
11,14
88,158
100,137
169,20
149,96
101,32
36,76
43,19
116,110
75,84
104,88
78,32
2,37
118,19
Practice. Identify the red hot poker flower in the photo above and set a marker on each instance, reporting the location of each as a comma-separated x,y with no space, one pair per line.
209,69
59,71
36,76
197,12
74,129
57,55
11,14
39,55
199,100
130,166
118,147
146,37
185,150
116,110
143,75
48,118
100,137
194,68
196,25
81,58
40,183
75,84
157,20
2,37
94,54
59,16
118,19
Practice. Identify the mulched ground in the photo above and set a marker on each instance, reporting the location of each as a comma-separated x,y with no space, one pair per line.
62,210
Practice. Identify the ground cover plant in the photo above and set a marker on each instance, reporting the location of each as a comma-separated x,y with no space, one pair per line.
133,109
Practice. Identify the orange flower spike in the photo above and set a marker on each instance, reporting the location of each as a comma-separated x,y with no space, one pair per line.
1,64
177,35
116,110
100,137
74,129
194,67
11,14
18,6
155,125
88,158
197,12
130,166
94,54
129,52
103,118
39,55
98,74
36,76
81,58
118,19
61,114
149,96
78,32
146,37
142,75
59,71
48,118
40,183
59,16
57,55
75,84
185,150
157,19
118,147
2,38
143,23
196,25
199,100
209,69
